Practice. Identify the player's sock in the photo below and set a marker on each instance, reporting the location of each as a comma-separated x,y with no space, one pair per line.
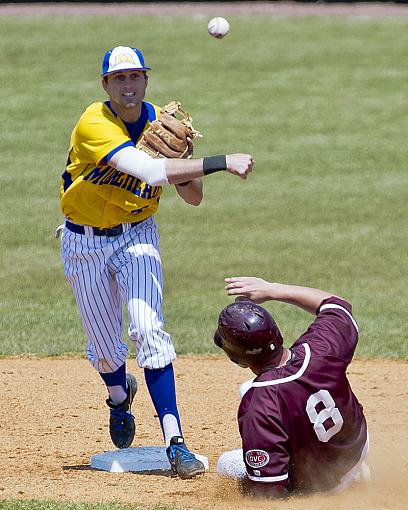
161,385
116,384
117,394
170,427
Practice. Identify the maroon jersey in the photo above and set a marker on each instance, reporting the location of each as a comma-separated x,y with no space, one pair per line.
301,424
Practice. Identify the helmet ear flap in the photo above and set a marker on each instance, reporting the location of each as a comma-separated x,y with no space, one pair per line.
218,339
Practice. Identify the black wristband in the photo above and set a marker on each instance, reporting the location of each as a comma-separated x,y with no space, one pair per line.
213,164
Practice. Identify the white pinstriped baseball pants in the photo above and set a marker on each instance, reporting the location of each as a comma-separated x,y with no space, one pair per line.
105,272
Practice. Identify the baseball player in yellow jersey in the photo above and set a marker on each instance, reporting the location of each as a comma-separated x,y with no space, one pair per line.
110,245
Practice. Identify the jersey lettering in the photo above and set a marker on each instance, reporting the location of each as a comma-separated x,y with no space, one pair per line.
110,176
330,411
147,192
96,174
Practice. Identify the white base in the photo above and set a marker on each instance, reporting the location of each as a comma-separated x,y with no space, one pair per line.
141,460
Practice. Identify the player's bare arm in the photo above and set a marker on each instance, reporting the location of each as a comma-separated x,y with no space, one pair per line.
159,172
191,191
178,170
259,291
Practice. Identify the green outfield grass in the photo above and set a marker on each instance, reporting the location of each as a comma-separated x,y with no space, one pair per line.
321,104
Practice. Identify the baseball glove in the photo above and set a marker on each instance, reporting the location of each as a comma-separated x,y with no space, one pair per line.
167,136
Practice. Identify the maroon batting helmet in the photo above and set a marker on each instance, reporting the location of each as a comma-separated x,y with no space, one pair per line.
249,335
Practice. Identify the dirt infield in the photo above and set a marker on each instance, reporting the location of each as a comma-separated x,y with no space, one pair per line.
53,419
210,9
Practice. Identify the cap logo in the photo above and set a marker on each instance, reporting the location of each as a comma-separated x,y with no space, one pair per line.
257,458
123,58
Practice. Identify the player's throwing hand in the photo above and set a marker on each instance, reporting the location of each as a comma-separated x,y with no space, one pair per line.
240,164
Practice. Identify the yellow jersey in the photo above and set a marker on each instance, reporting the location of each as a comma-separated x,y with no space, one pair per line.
94,193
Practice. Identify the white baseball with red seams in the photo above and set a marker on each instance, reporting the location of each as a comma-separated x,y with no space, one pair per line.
218,27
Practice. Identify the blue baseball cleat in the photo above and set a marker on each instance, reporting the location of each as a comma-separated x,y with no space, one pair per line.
122,422
183,463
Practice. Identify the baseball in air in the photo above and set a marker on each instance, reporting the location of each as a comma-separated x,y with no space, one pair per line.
218,27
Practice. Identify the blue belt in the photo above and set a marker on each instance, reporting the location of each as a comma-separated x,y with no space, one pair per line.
109,232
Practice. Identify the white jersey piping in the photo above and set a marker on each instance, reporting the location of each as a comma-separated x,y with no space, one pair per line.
333,305
307,352
292,377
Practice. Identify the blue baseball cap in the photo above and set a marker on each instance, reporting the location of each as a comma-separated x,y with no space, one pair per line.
123,58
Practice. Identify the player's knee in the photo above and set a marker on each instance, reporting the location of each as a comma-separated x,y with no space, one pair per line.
231,464
140,335
106,365
145,334
134,335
